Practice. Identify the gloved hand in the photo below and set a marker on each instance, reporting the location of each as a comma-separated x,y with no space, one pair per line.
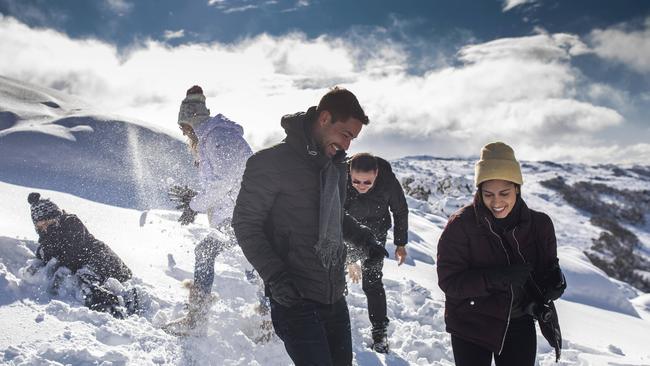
376,253
553,283
373,250
284,290
500,278
188,216
183,196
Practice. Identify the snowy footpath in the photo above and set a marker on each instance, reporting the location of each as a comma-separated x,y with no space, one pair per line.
603,322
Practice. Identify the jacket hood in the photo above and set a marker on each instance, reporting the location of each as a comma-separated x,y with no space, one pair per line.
218,122
297,126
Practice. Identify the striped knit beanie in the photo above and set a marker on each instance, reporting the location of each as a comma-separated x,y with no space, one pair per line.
193,110
42,209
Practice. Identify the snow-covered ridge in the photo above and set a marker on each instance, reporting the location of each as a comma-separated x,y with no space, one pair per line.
604,321
53,141
602,210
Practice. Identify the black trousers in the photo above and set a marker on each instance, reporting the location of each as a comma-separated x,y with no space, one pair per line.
519,349
373,287
315,334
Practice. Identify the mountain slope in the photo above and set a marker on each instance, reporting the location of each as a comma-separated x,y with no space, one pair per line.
49,140
106,170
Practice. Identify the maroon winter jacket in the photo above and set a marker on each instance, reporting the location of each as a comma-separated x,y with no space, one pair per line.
468,245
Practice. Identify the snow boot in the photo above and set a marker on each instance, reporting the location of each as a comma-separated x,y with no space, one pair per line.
380,337
198,308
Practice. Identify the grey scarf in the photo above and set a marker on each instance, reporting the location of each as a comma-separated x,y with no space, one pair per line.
330,247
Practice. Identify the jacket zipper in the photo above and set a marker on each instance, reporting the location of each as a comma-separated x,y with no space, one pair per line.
524,259
531,279
512,293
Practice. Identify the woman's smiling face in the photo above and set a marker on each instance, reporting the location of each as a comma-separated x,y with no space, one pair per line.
499,196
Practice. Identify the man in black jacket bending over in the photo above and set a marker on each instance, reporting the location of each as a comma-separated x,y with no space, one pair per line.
372,191
290,223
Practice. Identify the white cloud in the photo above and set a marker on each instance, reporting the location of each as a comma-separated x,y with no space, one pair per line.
235,6
119,6
629,47
519,90
542,48
511,4
239,9
169,34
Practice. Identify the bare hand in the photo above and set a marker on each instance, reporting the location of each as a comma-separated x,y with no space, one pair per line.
400,254
354,271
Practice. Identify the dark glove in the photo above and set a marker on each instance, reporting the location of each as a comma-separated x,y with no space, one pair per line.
541,312
188,216
553,283
376,253
284,290
373,250
182,196
500,278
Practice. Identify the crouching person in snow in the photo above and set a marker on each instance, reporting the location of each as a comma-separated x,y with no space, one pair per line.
498,267
64,237
220,154
373,193
290,223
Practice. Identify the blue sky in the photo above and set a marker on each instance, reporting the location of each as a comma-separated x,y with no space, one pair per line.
565,80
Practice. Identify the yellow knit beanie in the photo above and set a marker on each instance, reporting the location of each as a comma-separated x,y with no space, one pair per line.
497,162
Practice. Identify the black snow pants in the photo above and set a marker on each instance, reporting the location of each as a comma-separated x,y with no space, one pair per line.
519,348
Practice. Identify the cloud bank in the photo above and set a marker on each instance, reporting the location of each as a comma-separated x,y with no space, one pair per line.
523,91
628,47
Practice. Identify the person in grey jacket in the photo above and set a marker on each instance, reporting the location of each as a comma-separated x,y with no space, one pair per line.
290,223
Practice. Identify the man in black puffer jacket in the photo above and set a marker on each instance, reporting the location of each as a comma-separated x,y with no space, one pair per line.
373,193
64,237
290,224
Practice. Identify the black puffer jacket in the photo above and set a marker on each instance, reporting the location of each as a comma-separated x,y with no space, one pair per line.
468,246
371,208
74,247
277,211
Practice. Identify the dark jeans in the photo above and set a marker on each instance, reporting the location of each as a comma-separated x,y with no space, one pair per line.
519,349
373,287
314,334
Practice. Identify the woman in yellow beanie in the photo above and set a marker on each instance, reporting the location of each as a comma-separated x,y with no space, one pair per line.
498,268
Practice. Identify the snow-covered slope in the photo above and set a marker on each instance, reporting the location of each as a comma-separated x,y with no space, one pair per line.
54,141
604,321
44,328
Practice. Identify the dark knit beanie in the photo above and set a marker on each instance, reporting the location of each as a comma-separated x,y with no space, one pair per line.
42,209
193,110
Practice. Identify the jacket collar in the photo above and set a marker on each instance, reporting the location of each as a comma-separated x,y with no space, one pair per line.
482,213
298,129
